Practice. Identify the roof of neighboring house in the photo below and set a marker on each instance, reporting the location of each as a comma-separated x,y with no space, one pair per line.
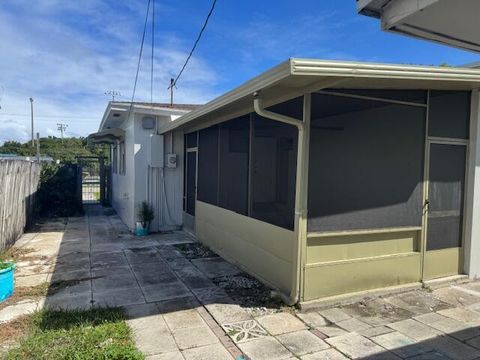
159,105
295,77
118,111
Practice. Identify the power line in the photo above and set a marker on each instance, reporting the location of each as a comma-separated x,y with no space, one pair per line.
153,50
196,42
141,51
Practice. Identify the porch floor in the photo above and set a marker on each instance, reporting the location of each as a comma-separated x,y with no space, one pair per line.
184,302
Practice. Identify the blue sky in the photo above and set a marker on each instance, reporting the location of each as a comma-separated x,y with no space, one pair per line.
66,54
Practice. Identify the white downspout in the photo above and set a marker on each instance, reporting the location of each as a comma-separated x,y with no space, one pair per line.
300,211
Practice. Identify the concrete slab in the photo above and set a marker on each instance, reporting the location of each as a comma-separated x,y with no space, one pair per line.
452,327
401,345
375,331
455,297
355,346
21,308
353,325
417,302
209,352
177,304
280,323
152,338
108,259
464,315
331,331
376,312
225,313
266,348
209,295
31,280
67,302
142,255
174,355
115,282
453,349
145,278
302,342
244,331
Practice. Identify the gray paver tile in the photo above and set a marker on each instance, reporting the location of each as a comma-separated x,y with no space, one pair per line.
210,294
453,348
121,297
266,348
177,304
375,331
475,342
280,323
417,302
151,340
313,319
155,278
353,325
455,297
400,344
154,293
433,355
114,282
216,267
329,354
140,310
183,319
452,327
227,312
175,355
464,315
192,337
414,329
355,346
334,315
331,331
209,352
68,302
302,342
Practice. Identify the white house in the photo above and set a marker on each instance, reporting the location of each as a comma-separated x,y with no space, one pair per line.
450,22
144,164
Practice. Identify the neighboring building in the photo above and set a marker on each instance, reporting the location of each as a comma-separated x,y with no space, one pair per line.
324,178
139,172
450,22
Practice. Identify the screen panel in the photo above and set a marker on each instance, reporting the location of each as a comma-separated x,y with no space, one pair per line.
274,161
366,164
234,158
446,196
191,183
208,165
191,140
449,114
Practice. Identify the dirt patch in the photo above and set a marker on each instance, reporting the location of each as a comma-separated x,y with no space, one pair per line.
26,293
16,254
251,294
12,331
195,251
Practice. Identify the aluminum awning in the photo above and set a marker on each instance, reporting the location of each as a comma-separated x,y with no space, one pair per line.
109,136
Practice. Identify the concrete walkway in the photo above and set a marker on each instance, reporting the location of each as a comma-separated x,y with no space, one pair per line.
184,302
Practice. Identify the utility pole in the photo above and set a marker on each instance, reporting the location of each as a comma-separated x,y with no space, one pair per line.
38,147
172,88
62,128
112,93
31,112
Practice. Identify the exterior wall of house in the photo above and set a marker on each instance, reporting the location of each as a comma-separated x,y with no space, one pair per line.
123,185
262,249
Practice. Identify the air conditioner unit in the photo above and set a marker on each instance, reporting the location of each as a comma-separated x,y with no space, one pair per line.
155,151
172,161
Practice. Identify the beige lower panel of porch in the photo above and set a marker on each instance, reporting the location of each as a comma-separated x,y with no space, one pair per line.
441,263
263,250
341,277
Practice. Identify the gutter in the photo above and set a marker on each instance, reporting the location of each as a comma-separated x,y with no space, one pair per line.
294,296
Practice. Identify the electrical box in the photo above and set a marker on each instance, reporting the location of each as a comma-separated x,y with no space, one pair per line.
155,152
172,161
148,123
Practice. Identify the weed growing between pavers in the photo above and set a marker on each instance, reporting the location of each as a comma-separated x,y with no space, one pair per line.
195,251
78,334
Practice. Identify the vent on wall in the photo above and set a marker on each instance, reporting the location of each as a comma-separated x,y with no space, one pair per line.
148,123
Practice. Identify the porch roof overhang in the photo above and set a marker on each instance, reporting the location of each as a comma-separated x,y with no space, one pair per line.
109,136
295,77
445,21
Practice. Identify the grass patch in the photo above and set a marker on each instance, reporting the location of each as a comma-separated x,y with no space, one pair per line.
77,334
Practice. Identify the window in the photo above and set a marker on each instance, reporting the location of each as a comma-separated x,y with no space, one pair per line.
274,163
191,140
234,156
208,166
449,114
366,164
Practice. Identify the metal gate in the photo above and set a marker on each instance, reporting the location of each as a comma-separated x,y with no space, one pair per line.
94,180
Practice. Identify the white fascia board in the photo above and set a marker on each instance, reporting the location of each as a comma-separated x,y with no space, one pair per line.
262,81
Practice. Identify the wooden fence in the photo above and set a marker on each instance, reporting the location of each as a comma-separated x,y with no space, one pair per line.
19,181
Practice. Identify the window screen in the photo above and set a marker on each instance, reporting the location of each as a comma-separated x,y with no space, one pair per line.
449,114
274,160
191,183
208,165
366,164
292,108
446,189
414,96
234,157
191,140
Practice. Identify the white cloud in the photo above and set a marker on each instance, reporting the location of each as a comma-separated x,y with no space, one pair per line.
13,130
66,54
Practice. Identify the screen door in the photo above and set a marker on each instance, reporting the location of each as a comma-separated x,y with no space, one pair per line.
445,208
